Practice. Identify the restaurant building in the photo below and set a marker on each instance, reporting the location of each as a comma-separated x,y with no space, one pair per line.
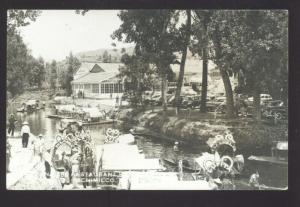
97,80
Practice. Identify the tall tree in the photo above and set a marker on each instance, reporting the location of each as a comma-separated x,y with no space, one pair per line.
20,18
105,57
219,33
152,31
17,64
70,66
186,37
53,75
37,71
200,47
262,46
137,71
73,64
18,56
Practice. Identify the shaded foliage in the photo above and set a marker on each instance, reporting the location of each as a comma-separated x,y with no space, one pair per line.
153,32
70,66
138,74
22,69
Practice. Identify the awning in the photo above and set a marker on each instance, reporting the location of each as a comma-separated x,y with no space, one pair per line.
120,157
93,112
68,108
159,181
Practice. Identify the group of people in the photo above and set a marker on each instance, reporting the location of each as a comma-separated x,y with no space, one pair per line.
25,130
80,161
38,143
71,129
80,94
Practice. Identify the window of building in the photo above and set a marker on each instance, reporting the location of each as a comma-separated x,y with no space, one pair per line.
111,88
106,88
81,86
87,86
120,88
102,88
95,88
116,88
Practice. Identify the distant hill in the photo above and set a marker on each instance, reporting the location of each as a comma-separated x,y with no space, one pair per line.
97,55
193,63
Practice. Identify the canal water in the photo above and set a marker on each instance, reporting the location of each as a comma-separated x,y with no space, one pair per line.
151,147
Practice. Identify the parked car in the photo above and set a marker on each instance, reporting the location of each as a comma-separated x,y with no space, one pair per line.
275,108
218,103
186,102
196,102
171,100
264,98
220,99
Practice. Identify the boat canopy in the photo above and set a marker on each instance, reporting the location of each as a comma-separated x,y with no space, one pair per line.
283,145
119,157
65,122
67,108
159,181
92,112
31,102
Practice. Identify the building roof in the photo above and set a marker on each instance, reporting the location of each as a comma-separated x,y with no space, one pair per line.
87,67
96,72
95,77
192,66
96,69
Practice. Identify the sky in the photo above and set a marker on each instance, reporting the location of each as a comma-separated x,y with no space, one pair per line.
56,33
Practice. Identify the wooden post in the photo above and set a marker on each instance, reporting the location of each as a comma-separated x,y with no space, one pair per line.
180,169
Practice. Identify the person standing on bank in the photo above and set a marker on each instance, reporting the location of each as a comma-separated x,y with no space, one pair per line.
11,125
25,131
8,155
117,100
48,163
38,144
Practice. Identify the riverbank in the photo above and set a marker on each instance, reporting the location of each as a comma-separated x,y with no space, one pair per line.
193,127
27,171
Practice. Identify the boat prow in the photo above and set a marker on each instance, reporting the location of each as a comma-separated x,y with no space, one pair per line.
268,159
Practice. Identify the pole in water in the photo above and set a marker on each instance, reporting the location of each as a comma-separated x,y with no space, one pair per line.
180,169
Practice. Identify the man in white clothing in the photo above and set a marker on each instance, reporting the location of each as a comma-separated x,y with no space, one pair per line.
25,131
38,144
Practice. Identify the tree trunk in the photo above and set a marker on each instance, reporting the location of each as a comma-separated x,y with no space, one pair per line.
205,62
204,81
138,91
183,59
229,94
163,91
256,102
225,77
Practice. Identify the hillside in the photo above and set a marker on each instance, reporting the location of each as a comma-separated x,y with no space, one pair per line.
193,64
97,55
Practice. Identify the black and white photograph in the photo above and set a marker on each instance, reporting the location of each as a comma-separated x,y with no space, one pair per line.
147,99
